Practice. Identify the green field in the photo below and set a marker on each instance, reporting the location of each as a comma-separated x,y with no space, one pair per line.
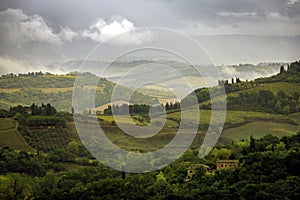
241,124
10,137
238,117
7,124
260,129
124,120
288,88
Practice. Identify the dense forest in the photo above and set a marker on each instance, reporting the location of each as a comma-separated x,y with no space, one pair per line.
268,169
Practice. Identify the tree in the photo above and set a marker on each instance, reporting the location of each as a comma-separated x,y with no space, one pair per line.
252,144
73,148
32,108
281,69
48,109
167,106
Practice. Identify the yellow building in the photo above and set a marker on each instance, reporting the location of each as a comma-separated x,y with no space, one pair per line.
191,170
227,164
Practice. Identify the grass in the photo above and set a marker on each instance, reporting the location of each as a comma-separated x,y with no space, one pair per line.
58,76
242,124
48,90
7,124
260,129
127,142
14,140
237,117
288,88
42,138
9,90
121,118
156,91
295,117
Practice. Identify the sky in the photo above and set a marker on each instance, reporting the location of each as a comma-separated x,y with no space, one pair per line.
38,33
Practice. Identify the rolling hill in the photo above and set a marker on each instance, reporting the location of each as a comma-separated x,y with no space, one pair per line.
240,123
25,89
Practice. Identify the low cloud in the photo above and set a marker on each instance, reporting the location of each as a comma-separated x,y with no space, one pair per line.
236,14
11,65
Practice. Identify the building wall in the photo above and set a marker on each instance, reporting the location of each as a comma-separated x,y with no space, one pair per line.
227,164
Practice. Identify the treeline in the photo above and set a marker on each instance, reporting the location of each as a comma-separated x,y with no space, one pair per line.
36,121
47,109
40,73
37,164
53,81
34,115
172,106
142,109
205,94
290,74
265,101
268,169
123,109
47,80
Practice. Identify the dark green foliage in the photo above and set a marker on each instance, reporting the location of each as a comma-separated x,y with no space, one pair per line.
265,101
266,173
252,144
290,76
36,121
23,162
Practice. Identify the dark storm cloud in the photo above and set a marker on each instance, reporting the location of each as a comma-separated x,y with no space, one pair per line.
80,13
208,11
46,30
170,13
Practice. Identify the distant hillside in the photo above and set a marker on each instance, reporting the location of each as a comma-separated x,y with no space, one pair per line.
275,94
290,74
24,89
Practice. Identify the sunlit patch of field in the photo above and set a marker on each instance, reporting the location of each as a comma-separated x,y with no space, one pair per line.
9,90
260,129
7,124
236,118
66,89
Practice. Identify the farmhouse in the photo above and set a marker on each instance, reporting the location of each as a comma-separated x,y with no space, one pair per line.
226,164
191,170
220,164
